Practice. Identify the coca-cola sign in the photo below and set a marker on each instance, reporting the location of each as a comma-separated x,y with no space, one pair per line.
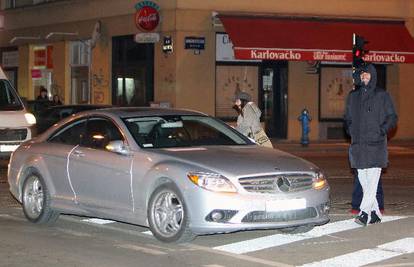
147,16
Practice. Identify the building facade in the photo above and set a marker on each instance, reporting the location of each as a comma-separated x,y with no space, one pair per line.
180,54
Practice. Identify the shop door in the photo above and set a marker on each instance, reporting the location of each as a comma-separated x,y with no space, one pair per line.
273,95
133,72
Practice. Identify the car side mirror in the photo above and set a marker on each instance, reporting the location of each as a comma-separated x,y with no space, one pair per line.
118,146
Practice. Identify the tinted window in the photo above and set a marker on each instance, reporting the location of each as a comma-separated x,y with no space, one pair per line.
71,134
100,132
182,131
8,97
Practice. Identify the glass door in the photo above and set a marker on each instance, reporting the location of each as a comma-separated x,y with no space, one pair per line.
274,98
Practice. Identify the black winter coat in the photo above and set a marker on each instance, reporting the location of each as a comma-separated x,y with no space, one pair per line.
369,116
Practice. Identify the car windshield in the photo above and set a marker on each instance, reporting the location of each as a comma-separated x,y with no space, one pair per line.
182,131
8,97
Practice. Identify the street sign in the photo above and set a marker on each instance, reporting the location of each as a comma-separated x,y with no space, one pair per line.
147,37
197,43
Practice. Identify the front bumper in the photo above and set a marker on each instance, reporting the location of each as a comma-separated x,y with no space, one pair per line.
8,145
247,211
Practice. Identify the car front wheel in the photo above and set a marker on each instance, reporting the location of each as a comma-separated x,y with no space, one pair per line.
167,215
36,201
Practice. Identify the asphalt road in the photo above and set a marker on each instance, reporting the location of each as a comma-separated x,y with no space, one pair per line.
75,241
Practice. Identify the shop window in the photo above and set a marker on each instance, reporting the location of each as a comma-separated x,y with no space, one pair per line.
80,71
80,51
335,85
231,79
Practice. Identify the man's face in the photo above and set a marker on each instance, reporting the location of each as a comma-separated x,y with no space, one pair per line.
237,102
365,78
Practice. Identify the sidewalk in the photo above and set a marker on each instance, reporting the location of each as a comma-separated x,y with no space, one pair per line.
332,158
337,146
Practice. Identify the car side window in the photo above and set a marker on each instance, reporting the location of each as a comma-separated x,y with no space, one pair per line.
71,134
100,132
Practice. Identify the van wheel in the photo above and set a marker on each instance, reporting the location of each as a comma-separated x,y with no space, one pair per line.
167,215
36,201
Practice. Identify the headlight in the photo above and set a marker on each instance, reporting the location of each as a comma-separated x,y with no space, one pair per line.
30,118
211,181
319,181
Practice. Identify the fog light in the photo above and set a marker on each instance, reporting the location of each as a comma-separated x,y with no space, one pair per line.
220,216
217,216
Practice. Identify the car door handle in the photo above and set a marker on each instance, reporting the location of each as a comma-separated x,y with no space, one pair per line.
78,153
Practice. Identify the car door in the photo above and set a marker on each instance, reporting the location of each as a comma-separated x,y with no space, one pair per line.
56,151
101,179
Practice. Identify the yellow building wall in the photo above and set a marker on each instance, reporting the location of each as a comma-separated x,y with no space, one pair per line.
101,79
61,71
24,80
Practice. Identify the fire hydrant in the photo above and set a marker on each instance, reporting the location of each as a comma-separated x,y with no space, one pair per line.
305,118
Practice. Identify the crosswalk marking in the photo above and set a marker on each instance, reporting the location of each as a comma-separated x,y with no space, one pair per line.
283,239
368,256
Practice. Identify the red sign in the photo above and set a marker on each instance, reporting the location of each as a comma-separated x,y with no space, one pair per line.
321,55
49,57
39,57
36,74
147,16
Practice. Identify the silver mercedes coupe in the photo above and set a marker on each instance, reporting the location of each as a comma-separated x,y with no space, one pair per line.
181,173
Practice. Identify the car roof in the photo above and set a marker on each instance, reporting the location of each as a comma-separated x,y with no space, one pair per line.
128,112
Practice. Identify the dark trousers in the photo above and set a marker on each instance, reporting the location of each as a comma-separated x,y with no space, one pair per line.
357,194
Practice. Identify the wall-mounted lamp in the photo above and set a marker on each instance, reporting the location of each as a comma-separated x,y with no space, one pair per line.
17,38
50,34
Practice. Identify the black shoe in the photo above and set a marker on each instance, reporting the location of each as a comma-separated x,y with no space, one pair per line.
362,219
374,218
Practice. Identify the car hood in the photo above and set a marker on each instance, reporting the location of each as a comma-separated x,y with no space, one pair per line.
240,160
13,119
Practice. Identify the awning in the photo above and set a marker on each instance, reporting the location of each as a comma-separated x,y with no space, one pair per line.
270,38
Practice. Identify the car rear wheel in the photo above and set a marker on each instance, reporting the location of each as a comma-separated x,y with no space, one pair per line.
167,215
297,229
36,201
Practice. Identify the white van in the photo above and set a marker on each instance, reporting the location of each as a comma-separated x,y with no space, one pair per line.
16,123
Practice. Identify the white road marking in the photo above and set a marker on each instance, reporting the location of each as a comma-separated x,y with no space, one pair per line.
142,249
368,256
213,265
147,233
97,221
283,239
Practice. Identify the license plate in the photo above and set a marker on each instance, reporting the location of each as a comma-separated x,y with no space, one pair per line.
8,148
286,204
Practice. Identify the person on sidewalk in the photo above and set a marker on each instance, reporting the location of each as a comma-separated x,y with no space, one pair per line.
248,119
369,116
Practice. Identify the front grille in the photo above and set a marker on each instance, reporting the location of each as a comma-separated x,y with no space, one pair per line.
277,183
279,216
13,134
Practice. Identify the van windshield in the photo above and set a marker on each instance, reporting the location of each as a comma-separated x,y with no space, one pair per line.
8,97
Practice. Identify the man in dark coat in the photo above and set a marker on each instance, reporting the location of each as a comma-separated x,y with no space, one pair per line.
369,116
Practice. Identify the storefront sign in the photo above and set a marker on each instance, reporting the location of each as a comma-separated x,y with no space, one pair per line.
36,74
197,43
43,57
147,37
39,57
224,49
147,16
10,59
305,55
